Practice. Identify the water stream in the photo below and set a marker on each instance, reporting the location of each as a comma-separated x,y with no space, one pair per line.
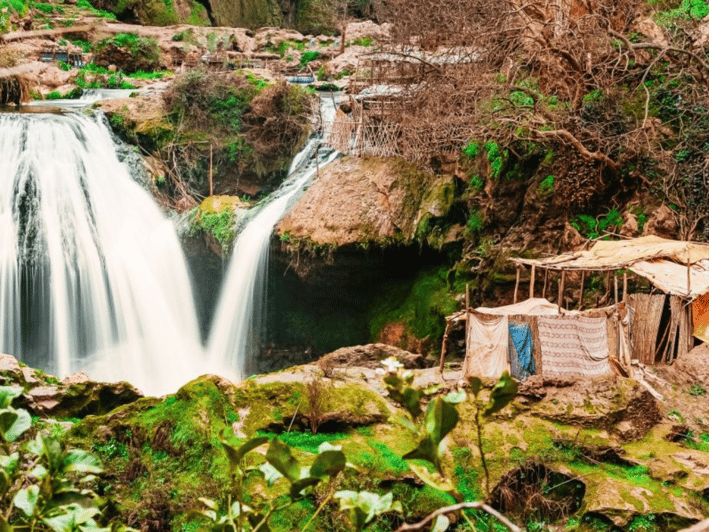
238,328
92,276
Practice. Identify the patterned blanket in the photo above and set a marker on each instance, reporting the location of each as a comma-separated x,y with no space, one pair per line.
573,346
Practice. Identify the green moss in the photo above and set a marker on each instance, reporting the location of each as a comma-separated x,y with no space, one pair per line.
421,304
306,441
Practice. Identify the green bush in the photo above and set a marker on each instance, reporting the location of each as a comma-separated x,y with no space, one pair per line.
307,57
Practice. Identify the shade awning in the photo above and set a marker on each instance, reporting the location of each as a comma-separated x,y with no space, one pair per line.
671,277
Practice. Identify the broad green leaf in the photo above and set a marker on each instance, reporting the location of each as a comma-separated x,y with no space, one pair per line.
441,417
38,472
502,394
279,456
26,500
300,484
238,509
8,394
411,399
455,397
81,462
475,385
327,446
209,503
36,446
270,473
365,506
236,454
328,463
52,451
8,463
441,524
60,523
7,420
426,450
432,479
21,424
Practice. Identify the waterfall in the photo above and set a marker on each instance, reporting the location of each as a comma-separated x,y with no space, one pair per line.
237,329
92,276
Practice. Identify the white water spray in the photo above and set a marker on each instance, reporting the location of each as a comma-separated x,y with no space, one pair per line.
92,276
237,329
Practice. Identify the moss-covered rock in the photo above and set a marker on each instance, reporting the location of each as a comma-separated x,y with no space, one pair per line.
247,13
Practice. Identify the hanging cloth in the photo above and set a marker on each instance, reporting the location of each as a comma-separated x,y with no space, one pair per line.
521,349
574,346
487,340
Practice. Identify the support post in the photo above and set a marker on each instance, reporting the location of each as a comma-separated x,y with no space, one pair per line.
516,287
615,287
467,297
583,281
561,290
625,285
546,278
531,282
444,347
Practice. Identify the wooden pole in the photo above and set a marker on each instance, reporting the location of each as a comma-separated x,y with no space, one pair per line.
615,287
625,285
546,278
467,296
531,282
583,280
516,286
211,183
444,347
561,289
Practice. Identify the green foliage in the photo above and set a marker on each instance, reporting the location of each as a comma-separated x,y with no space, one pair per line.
42,486
157,74
687,10
308,56
472,149
364,40
220,225
306,441
420,304
496,157
44,8
697,390
54,95
364,506
590,227
243,512
144,50
85,4
546,186
476,221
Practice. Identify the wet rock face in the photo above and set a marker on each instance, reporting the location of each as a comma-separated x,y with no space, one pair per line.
247,13
74,397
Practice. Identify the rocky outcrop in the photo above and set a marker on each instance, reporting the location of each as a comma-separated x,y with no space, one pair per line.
366,201
246,13
74,397
369,356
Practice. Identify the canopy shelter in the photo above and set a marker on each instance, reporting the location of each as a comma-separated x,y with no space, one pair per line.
662,326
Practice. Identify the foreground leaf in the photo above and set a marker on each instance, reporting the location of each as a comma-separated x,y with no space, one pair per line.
26,500
279,456
502,394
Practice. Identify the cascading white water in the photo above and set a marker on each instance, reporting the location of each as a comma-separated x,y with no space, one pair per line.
92,276
238,321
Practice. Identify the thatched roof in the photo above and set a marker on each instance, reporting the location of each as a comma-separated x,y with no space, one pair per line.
614,255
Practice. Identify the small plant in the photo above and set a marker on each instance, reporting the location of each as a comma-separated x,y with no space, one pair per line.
472,149
43,486
476,221
546,186
308,56
236,514
697,390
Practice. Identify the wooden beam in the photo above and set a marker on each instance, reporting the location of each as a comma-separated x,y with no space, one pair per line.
625,285
615,287
444,347
561,290
583,279
531,281
516,286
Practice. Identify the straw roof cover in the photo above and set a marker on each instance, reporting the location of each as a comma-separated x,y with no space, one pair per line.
613,255
671,277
